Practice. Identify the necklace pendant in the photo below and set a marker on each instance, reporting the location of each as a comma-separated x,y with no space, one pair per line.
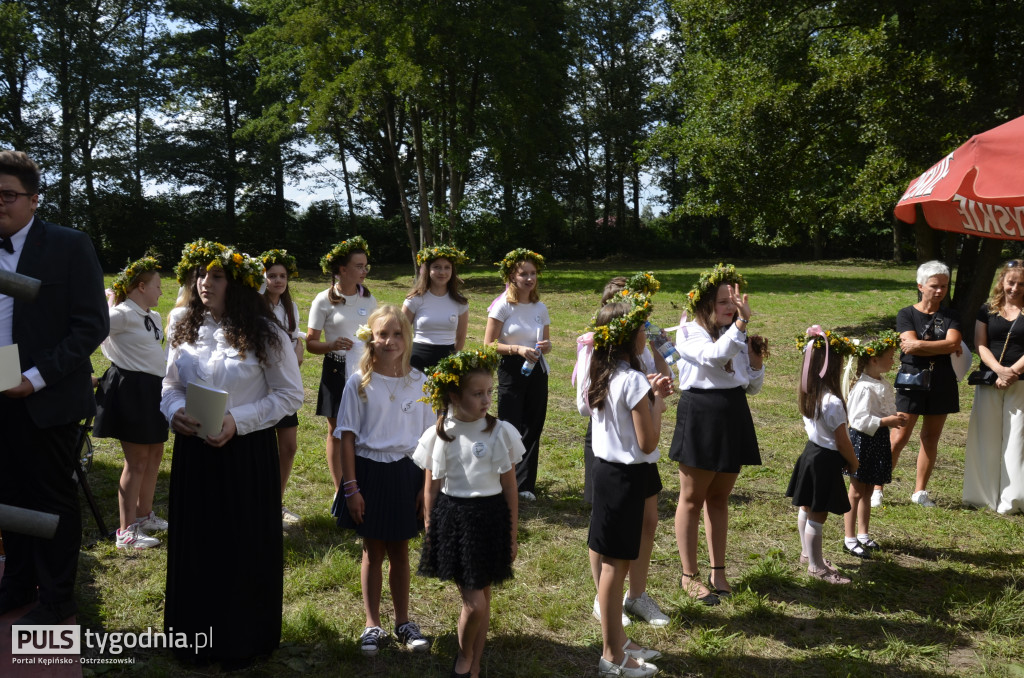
392,397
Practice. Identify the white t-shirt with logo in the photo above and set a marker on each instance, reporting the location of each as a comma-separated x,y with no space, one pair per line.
473,462
434,319
388,424
520,322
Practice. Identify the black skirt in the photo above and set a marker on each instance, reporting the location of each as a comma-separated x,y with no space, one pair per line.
234,587
389,492
469,541
617,516
425,356
817,480
332,385
714,431
874,456
128,407
288,421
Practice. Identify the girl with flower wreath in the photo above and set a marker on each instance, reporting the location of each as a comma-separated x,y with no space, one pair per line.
438,311
280,266
714,434
626,414
227,340
519,329
816,484
637,602
470,495
872,412
380,420
336,314
128,399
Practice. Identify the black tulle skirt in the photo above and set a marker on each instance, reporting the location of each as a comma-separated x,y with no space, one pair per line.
469,541
817,480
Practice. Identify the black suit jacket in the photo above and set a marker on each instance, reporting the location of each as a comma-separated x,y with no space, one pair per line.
58,332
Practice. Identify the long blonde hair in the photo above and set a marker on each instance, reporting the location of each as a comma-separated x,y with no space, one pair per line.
997,299
384,313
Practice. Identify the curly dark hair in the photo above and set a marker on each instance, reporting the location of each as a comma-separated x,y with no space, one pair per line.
247,321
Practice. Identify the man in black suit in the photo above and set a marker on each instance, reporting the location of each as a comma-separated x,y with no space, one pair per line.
56,334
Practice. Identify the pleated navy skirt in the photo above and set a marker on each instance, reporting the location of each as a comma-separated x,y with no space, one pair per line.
389,492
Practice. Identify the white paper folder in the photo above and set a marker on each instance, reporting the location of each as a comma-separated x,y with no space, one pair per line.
207,406
10,367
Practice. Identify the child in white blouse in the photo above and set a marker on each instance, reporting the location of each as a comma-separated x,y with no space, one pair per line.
471,499
381,497
872,412
438,311
627,407
816,485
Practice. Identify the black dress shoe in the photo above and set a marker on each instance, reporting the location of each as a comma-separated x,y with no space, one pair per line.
13,599
49,613
858,550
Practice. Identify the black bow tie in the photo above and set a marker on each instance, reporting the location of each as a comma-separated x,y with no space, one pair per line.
6,244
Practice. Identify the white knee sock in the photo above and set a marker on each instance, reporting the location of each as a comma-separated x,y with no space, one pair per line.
801,523
812,539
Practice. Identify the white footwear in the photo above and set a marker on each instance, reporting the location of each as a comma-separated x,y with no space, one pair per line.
876,499
151,523
526,495
644,654
644,670
289,518
921,497
648,610
597,613
132,538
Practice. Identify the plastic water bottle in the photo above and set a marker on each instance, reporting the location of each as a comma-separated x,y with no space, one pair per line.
665,347
528,365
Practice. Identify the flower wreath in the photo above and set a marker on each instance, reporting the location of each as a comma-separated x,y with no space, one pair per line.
449,371
886,340
341,250
508,264
197,253
244,268
621,329
643,283
272,257
127,277
814,335
450,252
710,281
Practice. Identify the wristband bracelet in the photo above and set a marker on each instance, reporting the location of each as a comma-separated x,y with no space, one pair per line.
352,493
348,482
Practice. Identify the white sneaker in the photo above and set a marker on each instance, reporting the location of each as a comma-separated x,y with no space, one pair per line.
526,495
876,499
921,497
289,518
648,610
151,523
597,613
644,654
132,538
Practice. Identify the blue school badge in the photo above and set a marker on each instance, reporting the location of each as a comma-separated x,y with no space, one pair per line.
479,449
407,406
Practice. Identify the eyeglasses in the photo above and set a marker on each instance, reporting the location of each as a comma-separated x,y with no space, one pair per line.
362,268
10,196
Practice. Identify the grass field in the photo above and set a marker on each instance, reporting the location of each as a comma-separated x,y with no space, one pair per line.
945,597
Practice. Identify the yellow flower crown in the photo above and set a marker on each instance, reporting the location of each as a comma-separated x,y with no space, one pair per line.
886,340
508,264
449,371
450,252
843,346
329,261
710,281
272,257
244,268
643,283
197,253
620,330
127,277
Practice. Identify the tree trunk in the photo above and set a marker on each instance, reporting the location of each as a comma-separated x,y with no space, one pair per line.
924,238
426,232
897,245
976,283
389,124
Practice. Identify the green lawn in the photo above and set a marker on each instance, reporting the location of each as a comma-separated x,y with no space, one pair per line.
946,597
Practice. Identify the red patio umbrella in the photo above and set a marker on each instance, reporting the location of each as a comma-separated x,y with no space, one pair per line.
977,189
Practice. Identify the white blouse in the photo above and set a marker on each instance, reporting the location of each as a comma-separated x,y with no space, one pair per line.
473,462
258,396
614,436
703,360
281,313
133,344
822,429
869,402
391,419
582,379
434,319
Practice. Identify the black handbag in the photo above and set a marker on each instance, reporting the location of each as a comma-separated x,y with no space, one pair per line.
918,380
983,376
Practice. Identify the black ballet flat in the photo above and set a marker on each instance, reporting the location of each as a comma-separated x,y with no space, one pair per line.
710,599
859,551
721,593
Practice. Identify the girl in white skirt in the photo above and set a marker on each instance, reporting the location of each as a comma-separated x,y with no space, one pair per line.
381,498
816,485
627,408
471,499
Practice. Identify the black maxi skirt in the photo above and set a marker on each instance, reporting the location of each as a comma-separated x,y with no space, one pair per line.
225,582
